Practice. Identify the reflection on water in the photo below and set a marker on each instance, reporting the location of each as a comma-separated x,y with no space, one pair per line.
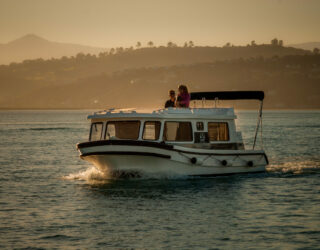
49,198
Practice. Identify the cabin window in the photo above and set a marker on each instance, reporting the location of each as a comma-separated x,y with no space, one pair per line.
218,131
151,130
96,131
125,130
177,131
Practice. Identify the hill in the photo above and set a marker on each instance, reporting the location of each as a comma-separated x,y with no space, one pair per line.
32,47
306,46
66,69
290,82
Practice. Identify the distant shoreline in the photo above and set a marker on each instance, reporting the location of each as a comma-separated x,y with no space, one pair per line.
91,109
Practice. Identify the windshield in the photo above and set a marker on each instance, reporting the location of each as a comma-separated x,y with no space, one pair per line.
96,131
125,130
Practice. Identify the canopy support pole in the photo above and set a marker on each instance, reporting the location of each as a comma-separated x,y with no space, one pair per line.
258,124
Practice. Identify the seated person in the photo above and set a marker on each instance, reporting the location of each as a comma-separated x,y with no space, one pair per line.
183,99
172,100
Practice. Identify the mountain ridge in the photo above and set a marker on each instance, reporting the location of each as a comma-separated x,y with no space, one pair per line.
31,46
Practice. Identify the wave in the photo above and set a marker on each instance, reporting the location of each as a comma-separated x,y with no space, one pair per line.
57,236
41,129
44,129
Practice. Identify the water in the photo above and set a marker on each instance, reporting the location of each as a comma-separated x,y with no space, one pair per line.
49,198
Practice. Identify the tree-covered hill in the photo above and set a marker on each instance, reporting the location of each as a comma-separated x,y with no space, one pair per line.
291,81
66,69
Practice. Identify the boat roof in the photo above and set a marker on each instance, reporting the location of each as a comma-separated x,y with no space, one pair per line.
228,95
191,113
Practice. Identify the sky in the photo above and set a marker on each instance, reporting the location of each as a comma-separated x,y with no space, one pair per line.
111,23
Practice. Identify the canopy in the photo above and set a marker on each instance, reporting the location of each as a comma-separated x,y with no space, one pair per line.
228,95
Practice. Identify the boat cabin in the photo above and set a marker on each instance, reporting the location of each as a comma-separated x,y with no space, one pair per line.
209,128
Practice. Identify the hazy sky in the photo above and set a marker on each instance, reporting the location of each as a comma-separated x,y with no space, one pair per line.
109,23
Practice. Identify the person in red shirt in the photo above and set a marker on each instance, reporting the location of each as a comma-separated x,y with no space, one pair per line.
183,99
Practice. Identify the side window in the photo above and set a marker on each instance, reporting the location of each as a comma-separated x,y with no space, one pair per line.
218,131
177,131
124,130
151,130
96,131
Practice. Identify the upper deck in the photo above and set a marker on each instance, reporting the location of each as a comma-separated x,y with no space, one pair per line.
177,113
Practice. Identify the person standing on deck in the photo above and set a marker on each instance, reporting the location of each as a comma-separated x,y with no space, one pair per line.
172,101
183,99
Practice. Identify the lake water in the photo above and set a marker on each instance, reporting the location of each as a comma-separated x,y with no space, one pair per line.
49,198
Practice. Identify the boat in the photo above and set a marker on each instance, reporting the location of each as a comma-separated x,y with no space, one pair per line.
174,141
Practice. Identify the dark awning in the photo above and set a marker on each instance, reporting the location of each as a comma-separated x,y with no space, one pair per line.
228,95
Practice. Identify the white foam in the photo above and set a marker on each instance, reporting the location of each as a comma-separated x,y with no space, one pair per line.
90,174
93,175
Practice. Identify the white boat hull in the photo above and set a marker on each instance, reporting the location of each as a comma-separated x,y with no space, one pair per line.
175,161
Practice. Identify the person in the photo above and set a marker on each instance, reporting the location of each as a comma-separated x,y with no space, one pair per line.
183,99
172,101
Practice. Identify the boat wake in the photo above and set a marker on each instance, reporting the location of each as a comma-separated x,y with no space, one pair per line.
90,174
295,167
93,175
